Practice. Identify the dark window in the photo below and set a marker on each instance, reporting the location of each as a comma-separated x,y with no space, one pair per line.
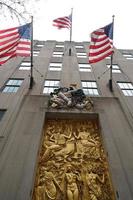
2,112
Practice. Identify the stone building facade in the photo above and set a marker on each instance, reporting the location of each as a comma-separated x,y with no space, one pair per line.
24,113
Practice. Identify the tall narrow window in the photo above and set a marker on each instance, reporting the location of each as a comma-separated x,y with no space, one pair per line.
126,87
12,85
90,88
50,85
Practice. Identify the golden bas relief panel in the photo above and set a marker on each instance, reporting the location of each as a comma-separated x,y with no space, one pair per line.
72,163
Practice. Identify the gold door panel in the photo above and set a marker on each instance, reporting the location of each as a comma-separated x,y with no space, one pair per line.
72,163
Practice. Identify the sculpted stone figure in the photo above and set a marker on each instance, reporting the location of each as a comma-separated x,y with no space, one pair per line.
84,141
72,188
70,97
93,181
47,190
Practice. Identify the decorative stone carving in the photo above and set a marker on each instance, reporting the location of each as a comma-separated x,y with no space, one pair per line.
72,163
69,98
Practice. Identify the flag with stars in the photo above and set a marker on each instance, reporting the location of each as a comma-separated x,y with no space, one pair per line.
15,42
101,44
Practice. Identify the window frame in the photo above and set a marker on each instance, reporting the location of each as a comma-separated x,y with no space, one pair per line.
24,66
115,68
49,85
90,87
84,67
126,88
58,54
81,54
57,67
79,46
11,87
128,56
36,53
59,45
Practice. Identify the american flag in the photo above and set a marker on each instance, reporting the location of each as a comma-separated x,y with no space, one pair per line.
15,42
63,22
101,44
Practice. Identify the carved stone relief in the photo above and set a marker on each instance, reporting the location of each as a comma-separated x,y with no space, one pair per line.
70,98
72,163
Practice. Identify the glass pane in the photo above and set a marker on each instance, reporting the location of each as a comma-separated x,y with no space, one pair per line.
94,85
125,85
56,83
79,47
51,83
45,90
60,46
24,68
11,89
90,91
81,53
10,82
55,69
129,58
84,65
55,64
25,64
127,55
129,92
121,85
50,89
125,92
95,91
39,45
130,85
36,52
88,84
15,89
57,53
5,89
84,84
116,71
115,67
84,70
108,66
47,83
85,91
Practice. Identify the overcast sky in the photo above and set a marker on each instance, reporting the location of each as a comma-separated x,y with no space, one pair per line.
87,17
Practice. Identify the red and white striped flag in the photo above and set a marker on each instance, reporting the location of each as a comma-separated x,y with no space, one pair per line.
63,22
15,42
101,44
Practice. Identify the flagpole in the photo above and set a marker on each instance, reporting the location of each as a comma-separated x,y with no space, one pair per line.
71,31
31,57
111,64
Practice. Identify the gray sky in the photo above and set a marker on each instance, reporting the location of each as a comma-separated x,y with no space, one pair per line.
87,17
